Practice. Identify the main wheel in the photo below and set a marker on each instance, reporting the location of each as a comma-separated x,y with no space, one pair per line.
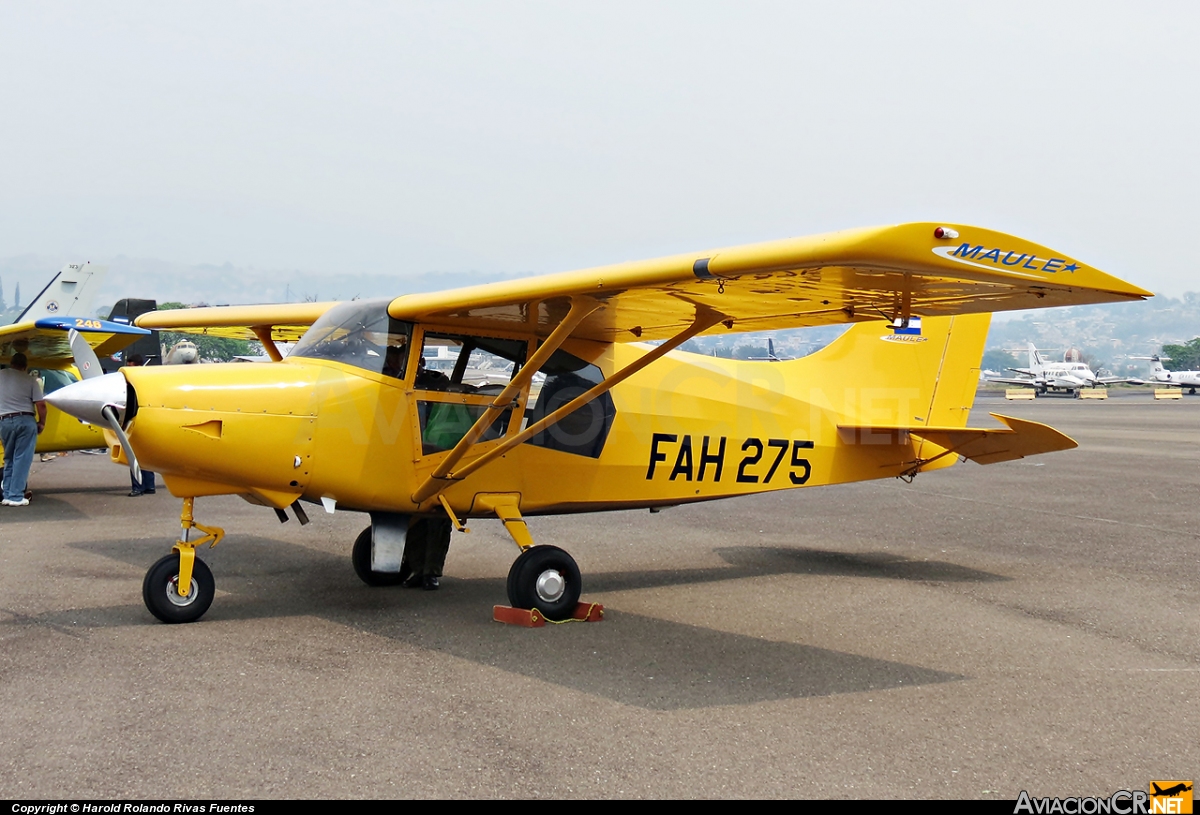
545,578
160,591
360,556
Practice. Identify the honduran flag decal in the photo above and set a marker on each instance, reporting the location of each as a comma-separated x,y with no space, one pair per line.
913,330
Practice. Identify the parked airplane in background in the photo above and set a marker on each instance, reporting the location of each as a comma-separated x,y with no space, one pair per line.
354,420
770,357
70,291
40,332
1177,379
182,353
1064,377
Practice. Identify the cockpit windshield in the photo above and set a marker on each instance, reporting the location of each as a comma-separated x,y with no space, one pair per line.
359,333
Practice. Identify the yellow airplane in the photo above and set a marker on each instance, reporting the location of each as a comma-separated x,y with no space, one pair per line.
355,419
45,344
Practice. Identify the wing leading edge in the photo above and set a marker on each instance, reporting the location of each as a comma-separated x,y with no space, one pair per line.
286,322
842,277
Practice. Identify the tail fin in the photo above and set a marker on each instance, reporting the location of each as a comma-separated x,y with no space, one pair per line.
873,375
69,292
1035,359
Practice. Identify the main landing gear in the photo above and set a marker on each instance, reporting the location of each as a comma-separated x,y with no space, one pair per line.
542,577
179,588
545,578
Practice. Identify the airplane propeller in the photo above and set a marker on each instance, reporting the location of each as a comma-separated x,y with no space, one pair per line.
85,358
97,389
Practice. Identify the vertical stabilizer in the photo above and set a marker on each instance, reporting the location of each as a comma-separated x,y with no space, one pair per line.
876,374
1036,362
70,292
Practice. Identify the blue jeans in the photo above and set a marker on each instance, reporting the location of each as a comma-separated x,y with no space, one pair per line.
147,484
18,434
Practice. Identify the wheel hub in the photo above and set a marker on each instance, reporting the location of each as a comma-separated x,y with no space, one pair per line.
551,585
174,596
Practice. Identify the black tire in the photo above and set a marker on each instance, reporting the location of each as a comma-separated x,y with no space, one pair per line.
539,566
360,556
159,591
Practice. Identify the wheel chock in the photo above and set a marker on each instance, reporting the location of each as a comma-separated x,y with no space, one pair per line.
532,618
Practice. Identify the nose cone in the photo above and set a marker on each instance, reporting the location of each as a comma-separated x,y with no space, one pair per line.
86,399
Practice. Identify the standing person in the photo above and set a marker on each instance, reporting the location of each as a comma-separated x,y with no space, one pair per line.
21,399
146,485
425,548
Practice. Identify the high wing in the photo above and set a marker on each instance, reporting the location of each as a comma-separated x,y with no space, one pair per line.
888,272
284,322
45,341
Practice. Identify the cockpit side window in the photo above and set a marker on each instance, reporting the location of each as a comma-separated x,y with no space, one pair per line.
468,364
362,334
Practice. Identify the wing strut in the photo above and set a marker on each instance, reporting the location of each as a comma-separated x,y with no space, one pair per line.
263,332
441,478
581,307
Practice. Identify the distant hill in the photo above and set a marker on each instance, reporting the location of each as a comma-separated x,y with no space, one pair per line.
1105,334
227,284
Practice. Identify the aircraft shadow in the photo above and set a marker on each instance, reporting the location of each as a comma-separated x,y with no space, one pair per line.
42,508
759,561
630,658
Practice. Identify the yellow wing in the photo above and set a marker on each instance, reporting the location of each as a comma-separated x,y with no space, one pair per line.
286,322
841,277
44,341
889,272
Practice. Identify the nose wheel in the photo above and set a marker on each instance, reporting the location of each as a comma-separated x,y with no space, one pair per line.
160,591
545,578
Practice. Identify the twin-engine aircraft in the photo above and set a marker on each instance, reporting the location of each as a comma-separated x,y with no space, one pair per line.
1171,379
582,411
1063,377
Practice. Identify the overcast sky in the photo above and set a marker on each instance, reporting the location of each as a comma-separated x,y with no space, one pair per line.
539,137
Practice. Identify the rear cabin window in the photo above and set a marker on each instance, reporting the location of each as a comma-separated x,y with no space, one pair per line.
583,431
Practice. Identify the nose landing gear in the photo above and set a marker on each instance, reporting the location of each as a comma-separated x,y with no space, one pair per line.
179,588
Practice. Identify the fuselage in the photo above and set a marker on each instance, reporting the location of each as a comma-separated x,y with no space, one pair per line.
365,424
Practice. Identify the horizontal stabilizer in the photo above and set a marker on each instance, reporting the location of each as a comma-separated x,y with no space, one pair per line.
1019,439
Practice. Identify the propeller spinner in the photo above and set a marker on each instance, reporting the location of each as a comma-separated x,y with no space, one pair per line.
98,398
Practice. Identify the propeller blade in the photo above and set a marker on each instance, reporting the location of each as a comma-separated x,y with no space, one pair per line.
85,358
110,413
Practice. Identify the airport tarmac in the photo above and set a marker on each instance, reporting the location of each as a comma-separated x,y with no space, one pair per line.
1031,625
